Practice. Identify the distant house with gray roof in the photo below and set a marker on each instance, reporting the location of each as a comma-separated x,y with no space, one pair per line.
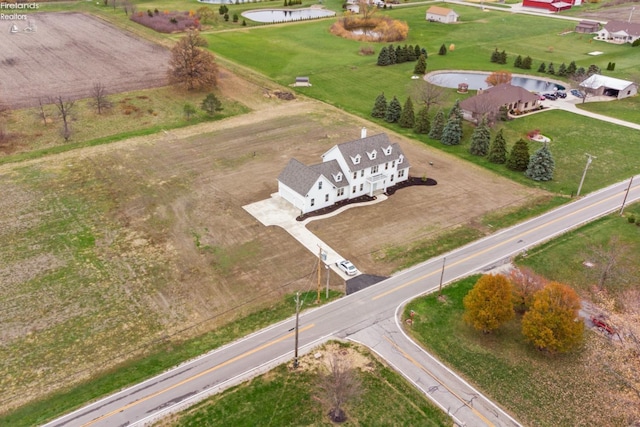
619,32
366,166
488,102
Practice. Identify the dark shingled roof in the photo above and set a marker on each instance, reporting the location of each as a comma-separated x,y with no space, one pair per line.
630,28
497,96
329,170
366,145
298,176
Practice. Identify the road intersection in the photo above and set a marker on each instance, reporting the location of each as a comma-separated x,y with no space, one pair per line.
370,317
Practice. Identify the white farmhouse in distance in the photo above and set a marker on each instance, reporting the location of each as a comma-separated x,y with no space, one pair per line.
441,14
619,32
366,166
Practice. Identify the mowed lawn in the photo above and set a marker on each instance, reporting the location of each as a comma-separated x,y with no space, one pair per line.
341,76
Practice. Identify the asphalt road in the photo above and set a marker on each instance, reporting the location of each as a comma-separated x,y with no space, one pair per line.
368,316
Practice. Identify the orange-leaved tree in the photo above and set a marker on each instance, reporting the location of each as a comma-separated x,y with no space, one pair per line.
192,66
498,77
552,322
489,304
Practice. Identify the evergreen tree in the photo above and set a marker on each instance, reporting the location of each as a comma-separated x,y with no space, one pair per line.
421,66
423,125
571,69
394,110
526,63
503,57
498,149
383,57
562,70
581,72
418,52
443,50
452,132
411,54
480,139
210,104
541,165
613,66
400,55
519,157
495,56
392,54
542,68
518,62
379,107
593,69
437,126
408,117
551,69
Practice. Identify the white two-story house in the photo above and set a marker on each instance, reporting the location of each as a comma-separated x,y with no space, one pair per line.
366,166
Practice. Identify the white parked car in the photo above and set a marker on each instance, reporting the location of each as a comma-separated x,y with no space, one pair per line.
347,267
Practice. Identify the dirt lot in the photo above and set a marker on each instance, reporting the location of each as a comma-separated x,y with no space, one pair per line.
111,247
70,52
614,13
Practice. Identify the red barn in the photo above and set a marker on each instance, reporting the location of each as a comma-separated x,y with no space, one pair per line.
551,5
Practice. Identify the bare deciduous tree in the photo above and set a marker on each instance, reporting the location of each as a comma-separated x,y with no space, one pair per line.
65,107
42,113
337,385
609,262
190,65
525,283
99,95
366,8
427,94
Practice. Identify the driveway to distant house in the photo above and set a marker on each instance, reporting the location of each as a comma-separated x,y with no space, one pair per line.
570,104
279,212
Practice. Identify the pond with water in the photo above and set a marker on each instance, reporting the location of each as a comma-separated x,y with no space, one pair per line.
284,15
477,81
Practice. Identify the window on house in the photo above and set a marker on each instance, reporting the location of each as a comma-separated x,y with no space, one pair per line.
393,164
356,159
313,202
401,173
362,172
386,166
526,104
374,169
355,175
361,187
400,159
326,197
320,185
391,178
338,177
340,192
353,190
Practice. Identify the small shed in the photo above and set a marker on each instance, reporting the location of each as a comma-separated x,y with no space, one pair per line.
302,81
587,27
441,14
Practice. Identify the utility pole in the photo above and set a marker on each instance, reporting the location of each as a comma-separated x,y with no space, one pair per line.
625,196
295,354
444,260
328,273
589,160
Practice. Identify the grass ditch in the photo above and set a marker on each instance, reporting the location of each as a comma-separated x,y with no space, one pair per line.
286,397
160,356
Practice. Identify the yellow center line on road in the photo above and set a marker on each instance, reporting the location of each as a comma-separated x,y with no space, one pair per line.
476,254
208,371
421,367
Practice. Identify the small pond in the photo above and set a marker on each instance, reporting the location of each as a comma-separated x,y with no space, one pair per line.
477,81
283,15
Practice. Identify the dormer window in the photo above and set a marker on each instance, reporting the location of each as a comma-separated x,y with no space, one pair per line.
372,155
338,177
400,159
356,159
387,151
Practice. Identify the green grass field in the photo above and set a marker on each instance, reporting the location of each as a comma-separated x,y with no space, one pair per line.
348,80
